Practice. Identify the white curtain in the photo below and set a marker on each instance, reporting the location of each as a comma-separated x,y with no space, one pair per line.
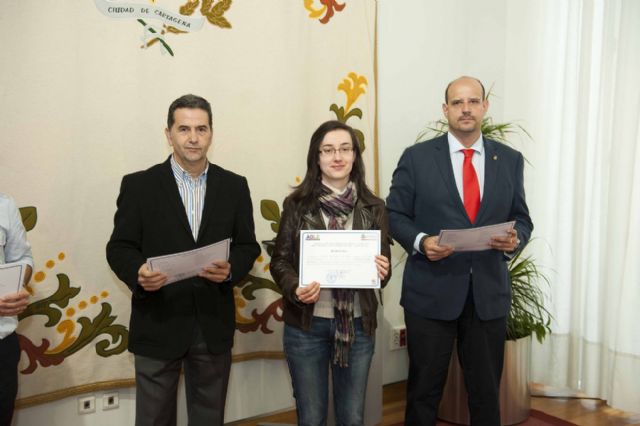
581,59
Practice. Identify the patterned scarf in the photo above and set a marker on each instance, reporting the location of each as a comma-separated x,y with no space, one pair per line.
337,208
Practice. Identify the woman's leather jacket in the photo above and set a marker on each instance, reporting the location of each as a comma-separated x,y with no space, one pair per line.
367,214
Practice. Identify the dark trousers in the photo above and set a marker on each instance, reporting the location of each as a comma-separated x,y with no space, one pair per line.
206,378
9,357
481,354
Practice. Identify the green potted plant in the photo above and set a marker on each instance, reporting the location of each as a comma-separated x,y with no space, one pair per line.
528,315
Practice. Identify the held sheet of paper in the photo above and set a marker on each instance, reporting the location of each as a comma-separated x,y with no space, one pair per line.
344,259
11,276
473,239
187,264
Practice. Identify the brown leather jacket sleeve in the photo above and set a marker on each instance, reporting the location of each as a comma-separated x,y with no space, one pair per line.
284,262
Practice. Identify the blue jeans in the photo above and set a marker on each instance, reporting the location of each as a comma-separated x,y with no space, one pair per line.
309,357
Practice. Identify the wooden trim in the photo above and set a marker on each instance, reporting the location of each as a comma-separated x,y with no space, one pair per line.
376,162
258,355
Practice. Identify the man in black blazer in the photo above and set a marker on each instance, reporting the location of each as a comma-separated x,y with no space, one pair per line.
182,204
447,294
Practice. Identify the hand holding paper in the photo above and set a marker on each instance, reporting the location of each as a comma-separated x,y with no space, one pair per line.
434,251
506,243
14,303
477,239
217,272
382,265
187,264
309,294
151,280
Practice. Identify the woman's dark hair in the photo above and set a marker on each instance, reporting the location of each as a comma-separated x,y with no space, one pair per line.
307,193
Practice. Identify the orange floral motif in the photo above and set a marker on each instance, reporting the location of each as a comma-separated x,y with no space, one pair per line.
66,327
353,86
240,303
329,7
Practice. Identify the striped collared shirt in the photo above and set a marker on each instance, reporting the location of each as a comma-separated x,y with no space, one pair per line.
192,192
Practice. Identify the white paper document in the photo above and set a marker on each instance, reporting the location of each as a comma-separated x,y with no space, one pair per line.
187,264
344,259
473,239
11,276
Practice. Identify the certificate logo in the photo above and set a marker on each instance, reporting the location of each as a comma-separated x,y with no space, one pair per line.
312,237
368,237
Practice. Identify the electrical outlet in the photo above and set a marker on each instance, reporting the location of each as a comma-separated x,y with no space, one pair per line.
110,401
398,338
87,404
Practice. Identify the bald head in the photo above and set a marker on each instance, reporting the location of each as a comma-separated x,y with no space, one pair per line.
465,79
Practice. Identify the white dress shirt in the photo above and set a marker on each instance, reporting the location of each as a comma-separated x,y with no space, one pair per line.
14,247
457,160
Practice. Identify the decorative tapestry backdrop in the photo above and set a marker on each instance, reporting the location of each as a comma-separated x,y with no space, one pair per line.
85,92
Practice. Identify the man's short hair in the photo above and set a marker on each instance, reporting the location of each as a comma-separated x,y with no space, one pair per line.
188,101
446,91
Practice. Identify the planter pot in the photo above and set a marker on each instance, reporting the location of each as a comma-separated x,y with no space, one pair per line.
515,398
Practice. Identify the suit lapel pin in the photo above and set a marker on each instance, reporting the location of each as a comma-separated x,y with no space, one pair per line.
495,157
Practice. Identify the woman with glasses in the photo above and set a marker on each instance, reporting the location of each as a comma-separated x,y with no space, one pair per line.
329,328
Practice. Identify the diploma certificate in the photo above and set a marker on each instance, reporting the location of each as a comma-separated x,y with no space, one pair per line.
344,259
187,264
473,239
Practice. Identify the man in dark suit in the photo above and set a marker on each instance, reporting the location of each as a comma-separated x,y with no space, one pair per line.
456,181
179,205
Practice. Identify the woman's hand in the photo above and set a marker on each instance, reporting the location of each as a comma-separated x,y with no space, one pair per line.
309,294
382,264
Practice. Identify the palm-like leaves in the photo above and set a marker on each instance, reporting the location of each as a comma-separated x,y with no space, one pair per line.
528,314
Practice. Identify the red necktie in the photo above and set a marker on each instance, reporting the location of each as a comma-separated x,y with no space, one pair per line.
470,186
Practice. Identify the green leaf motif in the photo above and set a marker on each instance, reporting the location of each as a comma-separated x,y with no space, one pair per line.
60,298
101,324
252,283
153,31
360,137
339,112
270,210
29,217
356,112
